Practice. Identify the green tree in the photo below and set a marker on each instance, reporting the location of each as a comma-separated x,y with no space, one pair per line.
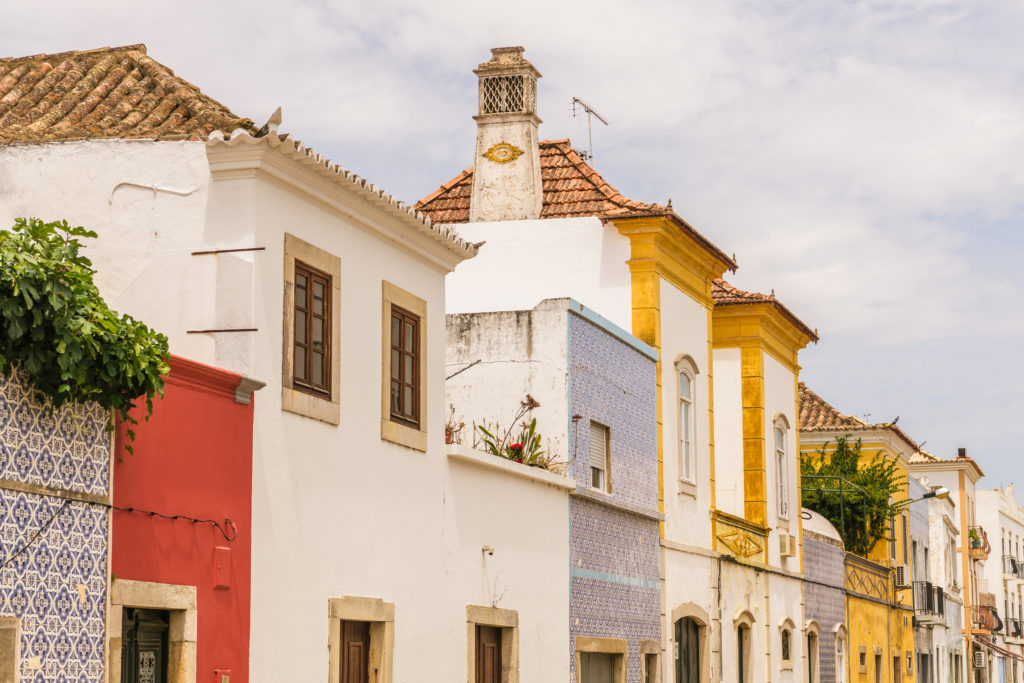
55,326
862,510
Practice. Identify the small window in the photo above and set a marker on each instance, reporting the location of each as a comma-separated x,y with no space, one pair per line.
405,367
685,373
600,470
312,342
781,467
787,655
862,659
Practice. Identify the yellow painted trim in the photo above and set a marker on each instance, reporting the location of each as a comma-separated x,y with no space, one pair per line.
735,325
660,251
755,468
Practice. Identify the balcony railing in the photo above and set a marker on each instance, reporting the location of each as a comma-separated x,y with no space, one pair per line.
1013,567
985,620
978,547
929,602
1013,628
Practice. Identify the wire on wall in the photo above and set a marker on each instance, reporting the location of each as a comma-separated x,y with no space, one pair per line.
228,523
36,535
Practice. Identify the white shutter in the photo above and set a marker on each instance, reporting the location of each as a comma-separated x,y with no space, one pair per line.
599,448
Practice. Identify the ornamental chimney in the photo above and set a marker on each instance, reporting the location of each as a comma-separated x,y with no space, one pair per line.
506,174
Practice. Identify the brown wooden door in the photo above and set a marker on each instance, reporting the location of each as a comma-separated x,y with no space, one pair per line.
355,652
488,654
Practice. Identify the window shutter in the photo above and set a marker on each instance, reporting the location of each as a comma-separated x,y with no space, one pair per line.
598,446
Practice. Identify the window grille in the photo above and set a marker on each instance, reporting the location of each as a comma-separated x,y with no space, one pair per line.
507,94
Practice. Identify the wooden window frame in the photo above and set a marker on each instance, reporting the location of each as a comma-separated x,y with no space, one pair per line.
401,432
405,318
297,398
312,276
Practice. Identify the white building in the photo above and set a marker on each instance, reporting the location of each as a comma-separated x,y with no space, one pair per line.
566,232
376,556
1003,519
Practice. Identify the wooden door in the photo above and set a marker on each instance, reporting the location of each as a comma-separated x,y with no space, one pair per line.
597,667
355,652
144,645
488,654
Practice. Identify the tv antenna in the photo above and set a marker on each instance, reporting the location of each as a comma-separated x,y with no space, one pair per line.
591,114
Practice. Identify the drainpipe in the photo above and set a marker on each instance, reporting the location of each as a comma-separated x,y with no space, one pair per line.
768,627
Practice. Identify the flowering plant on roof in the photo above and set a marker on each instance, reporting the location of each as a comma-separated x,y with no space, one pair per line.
523,446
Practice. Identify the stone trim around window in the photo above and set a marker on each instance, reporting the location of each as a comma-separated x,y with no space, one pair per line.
10,648
508,621
381,617
295,400
614,646
396,432
179,602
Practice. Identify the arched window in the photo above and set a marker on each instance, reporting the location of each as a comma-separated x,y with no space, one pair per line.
687,650
812,657
782,465
743,654
787,648
686,372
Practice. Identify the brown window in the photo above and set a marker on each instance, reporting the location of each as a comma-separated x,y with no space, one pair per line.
405,367
312,330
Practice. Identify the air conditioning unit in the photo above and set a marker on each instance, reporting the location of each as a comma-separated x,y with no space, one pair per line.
787,544
979,659
903,576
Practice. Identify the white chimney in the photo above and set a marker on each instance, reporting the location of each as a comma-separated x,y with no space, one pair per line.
506,173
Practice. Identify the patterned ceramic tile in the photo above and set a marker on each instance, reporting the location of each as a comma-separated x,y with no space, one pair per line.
57,586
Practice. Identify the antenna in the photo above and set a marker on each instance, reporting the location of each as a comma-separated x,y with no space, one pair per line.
591,113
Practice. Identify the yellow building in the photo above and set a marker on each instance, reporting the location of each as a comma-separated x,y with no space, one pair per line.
879,602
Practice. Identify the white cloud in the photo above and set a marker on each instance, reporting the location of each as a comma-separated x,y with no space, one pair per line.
862,157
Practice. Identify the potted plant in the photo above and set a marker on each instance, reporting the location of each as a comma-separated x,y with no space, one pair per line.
975,538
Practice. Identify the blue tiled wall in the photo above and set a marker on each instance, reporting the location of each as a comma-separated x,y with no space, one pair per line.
824,600
615,548
57,587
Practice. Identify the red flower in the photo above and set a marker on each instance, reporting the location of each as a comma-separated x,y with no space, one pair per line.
516,447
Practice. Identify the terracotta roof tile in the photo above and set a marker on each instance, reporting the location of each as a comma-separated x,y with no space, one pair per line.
105,93
725,294
572,188
817,415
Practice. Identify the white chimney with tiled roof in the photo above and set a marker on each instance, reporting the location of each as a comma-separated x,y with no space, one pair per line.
506,177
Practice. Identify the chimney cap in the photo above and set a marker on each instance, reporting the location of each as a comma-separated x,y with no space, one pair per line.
506,60
961,452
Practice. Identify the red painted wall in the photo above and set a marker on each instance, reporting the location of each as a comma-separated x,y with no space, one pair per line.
193,457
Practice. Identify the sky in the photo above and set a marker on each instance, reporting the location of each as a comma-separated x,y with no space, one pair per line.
863,159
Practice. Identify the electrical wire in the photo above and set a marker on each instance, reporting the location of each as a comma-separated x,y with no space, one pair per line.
36,535
227,522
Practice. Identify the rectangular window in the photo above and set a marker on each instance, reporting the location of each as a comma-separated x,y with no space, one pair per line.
312,330
600,471
903,520
405,367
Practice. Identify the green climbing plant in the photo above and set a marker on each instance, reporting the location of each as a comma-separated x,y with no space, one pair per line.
855,496
59,331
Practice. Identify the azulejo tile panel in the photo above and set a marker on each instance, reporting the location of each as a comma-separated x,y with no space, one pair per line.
57,587
54,551
66,449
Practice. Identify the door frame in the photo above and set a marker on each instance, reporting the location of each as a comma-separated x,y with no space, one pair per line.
508,621
178,601
381,617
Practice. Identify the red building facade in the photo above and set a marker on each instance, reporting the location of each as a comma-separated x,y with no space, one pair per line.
181,577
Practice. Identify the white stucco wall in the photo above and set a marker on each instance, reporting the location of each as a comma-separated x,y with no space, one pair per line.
780,401
520,352
143,253
684,331
526,522
336,510
728,432
524,262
